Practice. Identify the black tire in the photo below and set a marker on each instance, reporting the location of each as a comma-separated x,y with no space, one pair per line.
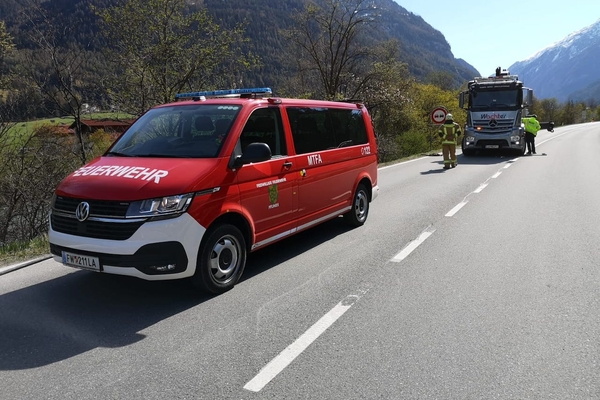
357,216
221,259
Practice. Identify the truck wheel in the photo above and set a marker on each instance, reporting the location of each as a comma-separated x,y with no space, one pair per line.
360,207
221,259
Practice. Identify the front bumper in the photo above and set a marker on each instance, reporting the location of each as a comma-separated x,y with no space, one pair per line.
174,241
514,140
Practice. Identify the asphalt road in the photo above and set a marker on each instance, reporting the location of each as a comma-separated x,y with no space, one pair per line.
479,282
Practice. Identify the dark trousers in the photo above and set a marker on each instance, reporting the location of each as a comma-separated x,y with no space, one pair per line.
530,140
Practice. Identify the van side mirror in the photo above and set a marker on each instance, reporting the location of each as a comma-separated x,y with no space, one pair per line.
255,152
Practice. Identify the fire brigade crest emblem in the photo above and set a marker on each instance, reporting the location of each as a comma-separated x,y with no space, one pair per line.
273,194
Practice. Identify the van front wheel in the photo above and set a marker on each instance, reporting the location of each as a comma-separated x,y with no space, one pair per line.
360,207
221,259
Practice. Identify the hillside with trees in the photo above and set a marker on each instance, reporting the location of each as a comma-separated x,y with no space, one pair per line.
421,47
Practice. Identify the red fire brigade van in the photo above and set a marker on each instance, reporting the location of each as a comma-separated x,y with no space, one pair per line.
193,186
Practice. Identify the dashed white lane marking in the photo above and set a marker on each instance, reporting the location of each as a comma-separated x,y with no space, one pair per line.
410,247
480,188
279,363
456,208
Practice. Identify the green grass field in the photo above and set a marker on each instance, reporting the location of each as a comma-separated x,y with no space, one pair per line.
15,253
24,128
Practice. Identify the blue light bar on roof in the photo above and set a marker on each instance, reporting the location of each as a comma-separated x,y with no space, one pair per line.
225,93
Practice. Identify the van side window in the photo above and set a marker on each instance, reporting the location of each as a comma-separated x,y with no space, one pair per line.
317,129
265,126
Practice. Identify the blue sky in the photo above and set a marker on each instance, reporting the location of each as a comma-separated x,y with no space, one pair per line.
500,33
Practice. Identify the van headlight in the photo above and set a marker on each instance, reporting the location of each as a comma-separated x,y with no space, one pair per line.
168,206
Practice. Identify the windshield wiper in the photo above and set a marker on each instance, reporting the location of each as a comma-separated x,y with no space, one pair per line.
116,153
156,155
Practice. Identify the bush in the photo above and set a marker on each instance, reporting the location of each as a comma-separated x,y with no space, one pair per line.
412,142
30,170
100,141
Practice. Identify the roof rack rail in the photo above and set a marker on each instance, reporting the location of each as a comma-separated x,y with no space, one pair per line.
227,93
351,101
481,79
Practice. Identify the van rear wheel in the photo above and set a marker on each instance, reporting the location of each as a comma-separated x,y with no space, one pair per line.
360,207
221,259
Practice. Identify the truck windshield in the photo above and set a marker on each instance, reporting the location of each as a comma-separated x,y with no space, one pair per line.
190,131
495,100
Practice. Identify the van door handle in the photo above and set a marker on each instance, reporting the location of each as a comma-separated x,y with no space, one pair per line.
287,165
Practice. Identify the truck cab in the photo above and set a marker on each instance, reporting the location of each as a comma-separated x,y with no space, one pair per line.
495,106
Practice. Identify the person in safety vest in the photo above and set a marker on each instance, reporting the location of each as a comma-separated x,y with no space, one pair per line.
449,132
532,126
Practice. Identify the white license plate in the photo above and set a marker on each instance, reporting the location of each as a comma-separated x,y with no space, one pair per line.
79,261
492,146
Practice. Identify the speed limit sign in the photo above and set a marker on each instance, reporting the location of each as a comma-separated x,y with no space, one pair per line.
438,115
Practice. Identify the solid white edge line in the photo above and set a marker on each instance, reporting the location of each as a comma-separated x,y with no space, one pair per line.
412,246
401,163
456,208
11,268
279,363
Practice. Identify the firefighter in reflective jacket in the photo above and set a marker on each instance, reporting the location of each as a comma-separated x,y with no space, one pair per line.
532,126
449,132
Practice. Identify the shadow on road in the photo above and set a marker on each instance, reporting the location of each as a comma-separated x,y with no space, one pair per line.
66,316
264,259
63,317
488,157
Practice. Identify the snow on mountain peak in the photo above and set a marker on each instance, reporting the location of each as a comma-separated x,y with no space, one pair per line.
591,32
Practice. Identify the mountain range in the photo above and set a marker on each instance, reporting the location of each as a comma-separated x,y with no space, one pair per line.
569,70
423,48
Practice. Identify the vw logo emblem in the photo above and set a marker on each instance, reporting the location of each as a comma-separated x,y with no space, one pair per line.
82,212
493,123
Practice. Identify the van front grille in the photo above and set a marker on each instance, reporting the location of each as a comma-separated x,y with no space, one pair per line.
98,208
94,229
106,220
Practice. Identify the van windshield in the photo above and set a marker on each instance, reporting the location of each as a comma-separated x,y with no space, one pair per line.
190,131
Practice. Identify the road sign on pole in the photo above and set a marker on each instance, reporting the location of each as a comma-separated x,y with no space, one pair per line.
438,115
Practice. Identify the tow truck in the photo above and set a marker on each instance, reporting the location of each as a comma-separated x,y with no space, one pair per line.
495,106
